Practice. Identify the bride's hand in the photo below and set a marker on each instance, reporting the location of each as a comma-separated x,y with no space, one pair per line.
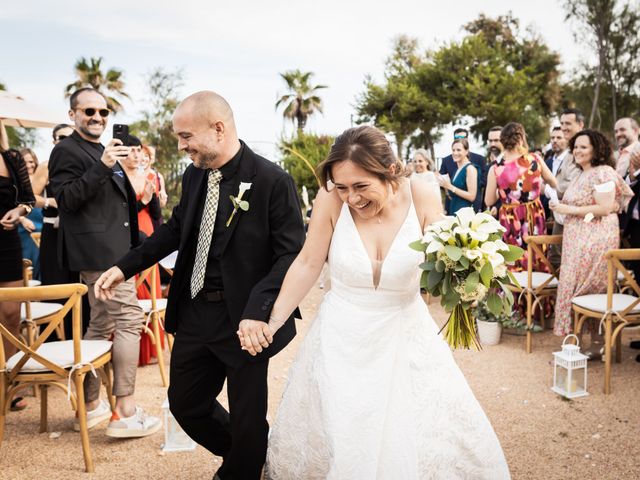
254,335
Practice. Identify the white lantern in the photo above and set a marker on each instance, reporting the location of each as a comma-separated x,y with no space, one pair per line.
570,370
175,439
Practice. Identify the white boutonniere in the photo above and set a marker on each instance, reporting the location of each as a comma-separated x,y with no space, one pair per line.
237,201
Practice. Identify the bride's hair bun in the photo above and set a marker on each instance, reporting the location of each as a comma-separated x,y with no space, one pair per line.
368,148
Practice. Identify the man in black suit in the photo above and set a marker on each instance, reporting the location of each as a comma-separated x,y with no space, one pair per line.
232,259
450,168
98,224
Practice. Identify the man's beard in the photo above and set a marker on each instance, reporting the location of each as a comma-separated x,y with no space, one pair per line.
494,151
205,159
89,134
624,144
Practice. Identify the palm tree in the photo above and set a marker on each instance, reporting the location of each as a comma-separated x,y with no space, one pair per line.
301,101
90,74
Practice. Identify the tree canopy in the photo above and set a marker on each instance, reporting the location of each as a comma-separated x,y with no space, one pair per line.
301,100
89,73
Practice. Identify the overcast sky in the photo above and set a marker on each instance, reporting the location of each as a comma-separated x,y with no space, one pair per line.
238,49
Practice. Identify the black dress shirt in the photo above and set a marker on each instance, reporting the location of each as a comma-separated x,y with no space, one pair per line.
213,274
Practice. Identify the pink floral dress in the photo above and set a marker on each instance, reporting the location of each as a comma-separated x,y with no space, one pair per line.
583,268
519,184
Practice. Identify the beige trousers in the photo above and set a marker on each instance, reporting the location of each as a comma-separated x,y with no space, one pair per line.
123,318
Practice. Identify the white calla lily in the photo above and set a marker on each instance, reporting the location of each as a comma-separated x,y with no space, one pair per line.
434,246
473,254
488,248
495,259
465,216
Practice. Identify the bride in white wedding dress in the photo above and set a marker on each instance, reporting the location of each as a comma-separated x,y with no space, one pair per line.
374,392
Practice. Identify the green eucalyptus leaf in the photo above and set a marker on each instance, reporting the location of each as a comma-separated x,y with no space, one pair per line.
423,279
514,253
486,274
453,252
472,282
433,279
440,266
418,245
244,205
464,261
494,303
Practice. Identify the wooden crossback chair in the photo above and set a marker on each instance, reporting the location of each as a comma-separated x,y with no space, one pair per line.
53,364
614,311
33,314
154,309
536,286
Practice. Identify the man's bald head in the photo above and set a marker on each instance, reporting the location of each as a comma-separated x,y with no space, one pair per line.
209,107
206,129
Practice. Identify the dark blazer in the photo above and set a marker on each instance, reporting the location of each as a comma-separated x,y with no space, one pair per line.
258,248
449,167
625,224
97,205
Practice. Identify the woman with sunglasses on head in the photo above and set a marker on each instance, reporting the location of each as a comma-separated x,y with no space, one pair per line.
16,200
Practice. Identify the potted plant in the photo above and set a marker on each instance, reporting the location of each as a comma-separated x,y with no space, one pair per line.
489,325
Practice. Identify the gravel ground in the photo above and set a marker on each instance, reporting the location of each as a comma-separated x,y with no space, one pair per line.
543,436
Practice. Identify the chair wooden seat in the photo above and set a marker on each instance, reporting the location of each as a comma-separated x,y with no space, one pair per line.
598,302
146,305
61,353
39,310
537,279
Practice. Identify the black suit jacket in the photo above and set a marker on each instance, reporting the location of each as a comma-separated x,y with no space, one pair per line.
258,248
97,207
450,167
625,224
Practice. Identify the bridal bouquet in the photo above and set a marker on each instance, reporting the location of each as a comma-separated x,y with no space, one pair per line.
466,262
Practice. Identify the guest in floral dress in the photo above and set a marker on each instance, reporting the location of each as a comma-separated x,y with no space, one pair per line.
516,179
583,268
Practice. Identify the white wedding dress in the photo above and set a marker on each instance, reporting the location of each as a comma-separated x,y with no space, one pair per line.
374,392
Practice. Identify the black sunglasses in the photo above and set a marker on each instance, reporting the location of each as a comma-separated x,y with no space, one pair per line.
90,112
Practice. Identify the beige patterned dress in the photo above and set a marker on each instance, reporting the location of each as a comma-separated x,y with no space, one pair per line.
583,269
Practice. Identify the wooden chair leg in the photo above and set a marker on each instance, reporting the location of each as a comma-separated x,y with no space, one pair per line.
3,400
607,355
155,324
109,385
619,347
43,408
529,324
169,338
82,418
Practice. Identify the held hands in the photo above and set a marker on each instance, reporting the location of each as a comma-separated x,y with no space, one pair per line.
107,283
254,336
113,152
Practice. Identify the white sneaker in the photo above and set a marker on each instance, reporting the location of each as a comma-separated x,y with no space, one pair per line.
137,425
98,415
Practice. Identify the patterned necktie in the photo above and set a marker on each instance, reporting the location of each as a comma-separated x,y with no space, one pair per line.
206,231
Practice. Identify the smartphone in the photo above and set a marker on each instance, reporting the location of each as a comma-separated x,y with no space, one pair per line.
121,132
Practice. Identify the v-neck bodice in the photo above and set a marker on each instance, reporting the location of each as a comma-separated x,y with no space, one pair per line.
352,270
